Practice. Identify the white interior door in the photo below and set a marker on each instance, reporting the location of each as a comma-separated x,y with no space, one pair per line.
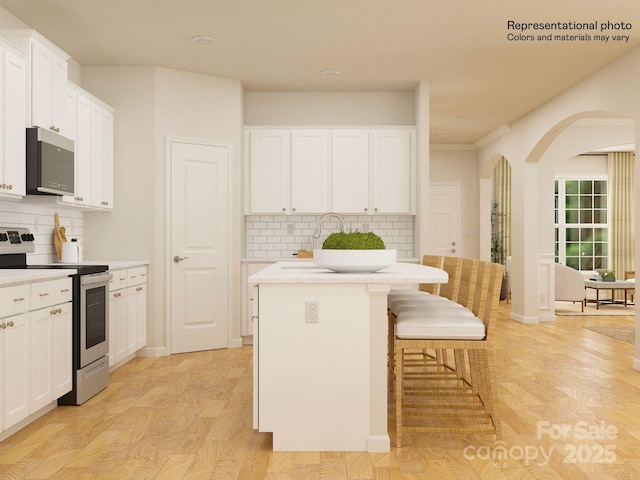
198,246
444,219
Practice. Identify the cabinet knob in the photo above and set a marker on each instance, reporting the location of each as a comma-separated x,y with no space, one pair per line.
375,209
366,209
283,209
10,323
293,209
3,326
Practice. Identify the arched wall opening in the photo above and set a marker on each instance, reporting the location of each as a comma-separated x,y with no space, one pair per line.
534,223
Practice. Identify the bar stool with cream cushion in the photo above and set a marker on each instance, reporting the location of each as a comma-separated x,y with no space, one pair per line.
449,290
467,271
399,294
416,308
433,397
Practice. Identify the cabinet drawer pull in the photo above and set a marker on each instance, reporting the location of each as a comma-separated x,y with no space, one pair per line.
45,294
20,299
65,290
123,279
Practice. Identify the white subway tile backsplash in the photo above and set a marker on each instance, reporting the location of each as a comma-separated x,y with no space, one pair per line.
39,219
267,237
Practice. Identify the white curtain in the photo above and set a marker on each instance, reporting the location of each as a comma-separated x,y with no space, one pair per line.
502,211
621,211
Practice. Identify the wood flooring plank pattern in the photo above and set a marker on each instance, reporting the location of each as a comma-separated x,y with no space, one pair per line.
189,417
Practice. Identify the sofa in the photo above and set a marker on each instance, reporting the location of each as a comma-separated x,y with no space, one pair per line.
569,285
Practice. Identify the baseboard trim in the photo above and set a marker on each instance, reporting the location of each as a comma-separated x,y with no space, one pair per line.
522,319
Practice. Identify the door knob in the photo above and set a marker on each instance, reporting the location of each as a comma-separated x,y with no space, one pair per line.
178,259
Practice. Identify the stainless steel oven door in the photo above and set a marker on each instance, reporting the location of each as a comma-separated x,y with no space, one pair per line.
94,317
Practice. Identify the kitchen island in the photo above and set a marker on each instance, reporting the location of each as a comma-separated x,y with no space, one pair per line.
320,354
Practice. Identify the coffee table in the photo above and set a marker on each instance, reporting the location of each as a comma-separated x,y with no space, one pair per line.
598,285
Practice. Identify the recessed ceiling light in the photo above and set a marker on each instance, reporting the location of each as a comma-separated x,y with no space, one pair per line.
330,73
463,117
203,39
442,135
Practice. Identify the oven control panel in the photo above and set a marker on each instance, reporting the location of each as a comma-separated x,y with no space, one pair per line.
16,240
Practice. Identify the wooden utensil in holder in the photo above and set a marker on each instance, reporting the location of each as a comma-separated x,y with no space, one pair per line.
58,236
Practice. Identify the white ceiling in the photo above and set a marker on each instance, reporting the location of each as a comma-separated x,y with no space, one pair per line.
459,46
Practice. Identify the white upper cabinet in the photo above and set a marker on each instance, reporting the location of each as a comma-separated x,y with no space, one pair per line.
393,169
101,156
309,171
269,162
357,171
49,87
350,171
47,80
107,160
93,135
13,120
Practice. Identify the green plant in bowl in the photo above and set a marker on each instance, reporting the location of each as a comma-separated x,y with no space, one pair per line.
353,241
354,252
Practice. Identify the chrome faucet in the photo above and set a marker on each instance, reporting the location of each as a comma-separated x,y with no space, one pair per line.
316,233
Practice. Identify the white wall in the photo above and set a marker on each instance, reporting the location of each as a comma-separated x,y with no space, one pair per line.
329,108
582,165
151,104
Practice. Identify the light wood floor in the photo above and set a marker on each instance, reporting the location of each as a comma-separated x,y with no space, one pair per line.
188,416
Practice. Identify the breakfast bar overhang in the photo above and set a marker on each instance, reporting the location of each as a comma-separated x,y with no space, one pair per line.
320,354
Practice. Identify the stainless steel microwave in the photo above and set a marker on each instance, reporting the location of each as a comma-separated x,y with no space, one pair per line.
50,163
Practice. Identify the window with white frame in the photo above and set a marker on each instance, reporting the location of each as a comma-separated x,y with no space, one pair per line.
582,222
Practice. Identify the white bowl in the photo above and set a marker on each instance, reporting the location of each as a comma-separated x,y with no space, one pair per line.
354,261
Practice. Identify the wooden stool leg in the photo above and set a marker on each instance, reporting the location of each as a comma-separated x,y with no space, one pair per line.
399,392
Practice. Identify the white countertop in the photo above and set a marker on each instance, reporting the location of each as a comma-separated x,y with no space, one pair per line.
17,276
308,272
302,259
114,264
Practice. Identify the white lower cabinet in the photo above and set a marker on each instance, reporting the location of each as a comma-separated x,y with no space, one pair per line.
35,347
15,369
127,313
51,354
62,326
41,355
248,295
137,305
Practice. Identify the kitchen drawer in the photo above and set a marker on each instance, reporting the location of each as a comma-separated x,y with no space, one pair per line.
14,299
136,276
119,280
51,292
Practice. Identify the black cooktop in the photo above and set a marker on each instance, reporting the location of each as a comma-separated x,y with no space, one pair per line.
81,268
19,260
